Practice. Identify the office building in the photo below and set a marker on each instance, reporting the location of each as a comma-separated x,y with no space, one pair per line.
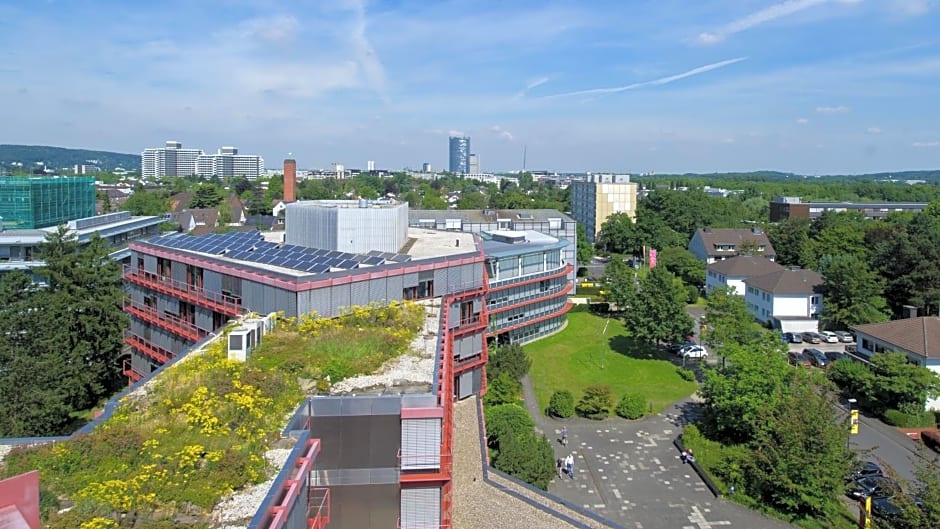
28,202
227,163
426,167
170,160
460,154
598,197
474,167
782,208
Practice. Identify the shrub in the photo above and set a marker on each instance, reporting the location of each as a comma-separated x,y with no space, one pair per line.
595,403
527,457
561,404
503,390
691,294
631,406
909,420
509,359
931,439
685,373
504,421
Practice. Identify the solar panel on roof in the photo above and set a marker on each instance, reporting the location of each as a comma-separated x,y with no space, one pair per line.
373,260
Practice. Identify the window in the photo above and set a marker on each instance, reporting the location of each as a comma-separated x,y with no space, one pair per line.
532,263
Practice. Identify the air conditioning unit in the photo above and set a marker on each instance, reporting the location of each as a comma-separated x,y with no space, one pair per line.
257,327
270,322
240,344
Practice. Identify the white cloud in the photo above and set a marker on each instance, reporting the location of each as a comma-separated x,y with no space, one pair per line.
763,16
802,121
655,82
530,86
366,56
501,133
454,132
926,144
841,109
873,130
277,28
912,7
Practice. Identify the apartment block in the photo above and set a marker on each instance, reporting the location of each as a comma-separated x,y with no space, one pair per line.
598,197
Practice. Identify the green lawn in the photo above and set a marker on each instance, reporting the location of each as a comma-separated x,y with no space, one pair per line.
584,354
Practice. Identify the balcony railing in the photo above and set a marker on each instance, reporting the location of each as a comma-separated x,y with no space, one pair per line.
216,301
500,284
149,349
564,288
318,510
165,321
130,372
424,462
424,526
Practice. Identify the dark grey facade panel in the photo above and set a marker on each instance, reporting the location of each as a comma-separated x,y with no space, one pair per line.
453,279
178,271
167,304
320,302
204,318
410,280
364,506
377,290
284,300
253,296
465,385
477,380
150,264
212,281
340,299
394,287
440,281
359,293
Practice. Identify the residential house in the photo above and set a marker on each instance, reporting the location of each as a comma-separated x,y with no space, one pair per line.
180,202
196,221
734,271
238,215
715,244
788,299
918,338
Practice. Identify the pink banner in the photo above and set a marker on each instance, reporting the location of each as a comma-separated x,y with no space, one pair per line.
19,501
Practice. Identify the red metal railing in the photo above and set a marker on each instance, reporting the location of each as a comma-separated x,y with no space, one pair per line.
149,349
425,467
443,525
318,512
167,322
130,372
216,301
540,296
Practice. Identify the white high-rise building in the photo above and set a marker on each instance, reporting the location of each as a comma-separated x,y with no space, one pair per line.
170,160
228,163
370,165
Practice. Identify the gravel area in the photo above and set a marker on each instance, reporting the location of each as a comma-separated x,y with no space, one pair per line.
478,505
235,511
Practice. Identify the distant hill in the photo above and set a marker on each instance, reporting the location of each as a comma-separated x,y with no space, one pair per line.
58,157
770,176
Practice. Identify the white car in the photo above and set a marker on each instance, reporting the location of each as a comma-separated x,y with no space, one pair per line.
694,351
830,336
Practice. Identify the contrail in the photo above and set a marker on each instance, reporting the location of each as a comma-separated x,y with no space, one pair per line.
654,82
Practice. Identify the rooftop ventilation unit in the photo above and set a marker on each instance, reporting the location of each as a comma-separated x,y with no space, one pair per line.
240,344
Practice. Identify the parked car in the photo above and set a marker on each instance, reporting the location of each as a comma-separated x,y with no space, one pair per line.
873,486
694,351
891,508
811,337
816,357
792,337
830,337
845,337
834,356
797,358
865,470
676,347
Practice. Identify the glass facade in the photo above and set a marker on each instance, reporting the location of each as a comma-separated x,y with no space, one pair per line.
39,202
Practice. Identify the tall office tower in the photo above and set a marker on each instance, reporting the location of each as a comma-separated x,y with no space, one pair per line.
426,167
474,164
460,154
290,180
170,160
228,163
599,197
370,165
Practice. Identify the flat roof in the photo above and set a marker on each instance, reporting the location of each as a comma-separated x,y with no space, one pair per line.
38,235
488,215
252,249
534,241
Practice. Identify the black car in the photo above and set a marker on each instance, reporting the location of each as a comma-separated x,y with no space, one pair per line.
834,356
866,470
891,508
874,486
816,357
674,348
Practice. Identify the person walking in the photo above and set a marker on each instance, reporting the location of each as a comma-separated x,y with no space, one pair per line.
560,467
569,465
564,436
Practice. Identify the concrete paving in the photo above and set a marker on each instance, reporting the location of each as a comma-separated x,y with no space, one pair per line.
630,472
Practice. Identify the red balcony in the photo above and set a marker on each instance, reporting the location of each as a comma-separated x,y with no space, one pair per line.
132,374
318,511
150,350
216,301
167,322
537,297
421,468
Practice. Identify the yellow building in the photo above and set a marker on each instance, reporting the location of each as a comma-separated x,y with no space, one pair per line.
599,197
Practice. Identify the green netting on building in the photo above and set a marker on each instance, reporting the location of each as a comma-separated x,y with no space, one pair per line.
38,202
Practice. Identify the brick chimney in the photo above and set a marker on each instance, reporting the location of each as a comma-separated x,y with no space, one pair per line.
290,180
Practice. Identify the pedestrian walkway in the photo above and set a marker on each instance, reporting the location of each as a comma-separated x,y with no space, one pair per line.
629,472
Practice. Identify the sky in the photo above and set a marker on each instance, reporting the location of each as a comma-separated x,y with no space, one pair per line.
808,86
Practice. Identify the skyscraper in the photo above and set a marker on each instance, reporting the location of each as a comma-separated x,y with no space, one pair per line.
170,160
460,154
227,163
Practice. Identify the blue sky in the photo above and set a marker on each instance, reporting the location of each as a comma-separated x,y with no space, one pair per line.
811,86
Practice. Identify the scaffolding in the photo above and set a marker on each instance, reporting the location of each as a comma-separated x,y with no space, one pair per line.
38,202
